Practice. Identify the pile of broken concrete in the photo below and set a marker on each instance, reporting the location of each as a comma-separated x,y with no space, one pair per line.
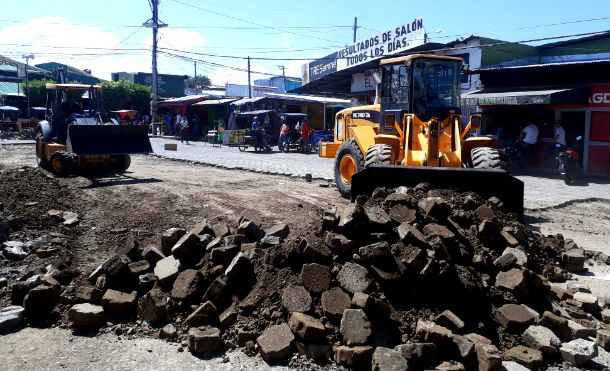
406,279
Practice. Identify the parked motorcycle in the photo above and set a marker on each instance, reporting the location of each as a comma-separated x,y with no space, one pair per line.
568,160
511,155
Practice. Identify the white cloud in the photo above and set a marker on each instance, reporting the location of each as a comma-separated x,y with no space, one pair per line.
55,39
286,39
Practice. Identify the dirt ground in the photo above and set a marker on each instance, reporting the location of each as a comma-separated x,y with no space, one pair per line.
154,195
157,194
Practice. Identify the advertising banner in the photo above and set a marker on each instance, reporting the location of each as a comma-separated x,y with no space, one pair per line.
392,41
364,82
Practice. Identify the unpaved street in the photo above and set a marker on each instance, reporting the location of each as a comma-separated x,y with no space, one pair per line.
157,194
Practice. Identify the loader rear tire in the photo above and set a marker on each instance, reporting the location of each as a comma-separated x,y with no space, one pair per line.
121,164
485,158
348,161
379,154
62,163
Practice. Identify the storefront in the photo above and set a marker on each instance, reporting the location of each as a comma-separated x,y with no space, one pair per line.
577,94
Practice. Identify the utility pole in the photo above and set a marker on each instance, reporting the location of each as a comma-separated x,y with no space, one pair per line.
249,86
155,25
355,27
27,80
195,78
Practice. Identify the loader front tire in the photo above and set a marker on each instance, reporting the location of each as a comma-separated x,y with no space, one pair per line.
120,164
485,158
62,163
379,154
348,161
41,160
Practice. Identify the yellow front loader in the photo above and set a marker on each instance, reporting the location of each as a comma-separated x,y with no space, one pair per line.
414,133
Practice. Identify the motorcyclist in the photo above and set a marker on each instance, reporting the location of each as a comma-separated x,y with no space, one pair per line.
259,133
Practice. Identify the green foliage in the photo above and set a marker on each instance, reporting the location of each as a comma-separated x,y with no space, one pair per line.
198,82
119,95
116,95
37,91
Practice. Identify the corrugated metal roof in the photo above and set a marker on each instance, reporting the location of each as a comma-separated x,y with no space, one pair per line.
247,100
183,100
533,66
215,101
8,87
306,98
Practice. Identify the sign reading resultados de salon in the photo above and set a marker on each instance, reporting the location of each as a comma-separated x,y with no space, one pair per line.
397,39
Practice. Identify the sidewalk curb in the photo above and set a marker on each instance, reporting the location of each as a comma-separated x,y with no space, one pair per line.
239,168
18,143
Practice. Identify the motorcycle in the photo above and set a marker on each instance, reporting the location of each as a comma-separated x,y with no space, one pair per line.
511,155
568,160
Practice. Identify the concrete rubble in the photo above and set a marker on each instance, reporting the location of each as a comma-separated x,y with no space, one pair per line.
406,279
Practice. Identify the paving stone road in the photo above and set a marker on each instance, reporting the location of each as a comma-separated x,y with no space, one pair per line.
540,192
291,164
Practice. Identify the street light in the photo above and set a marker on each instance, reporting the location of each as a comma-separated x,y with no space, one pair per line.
27,82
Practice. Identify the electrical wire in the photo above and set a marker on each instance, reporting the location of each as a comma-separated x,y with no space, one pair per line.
432,50
253,23
119,43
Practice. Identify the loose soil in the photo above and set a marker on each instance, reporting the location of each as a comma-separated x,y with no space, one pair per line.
156,195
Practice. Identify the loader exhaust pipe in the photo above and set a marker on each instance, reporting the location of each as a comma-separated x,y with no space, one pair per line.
377,79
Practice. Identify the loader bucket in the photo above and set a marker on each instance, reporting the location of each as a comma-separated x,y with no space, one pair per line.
485,182
85,140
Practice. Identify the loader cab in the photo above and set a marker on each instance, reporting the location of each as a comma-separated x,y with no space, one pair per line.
425,85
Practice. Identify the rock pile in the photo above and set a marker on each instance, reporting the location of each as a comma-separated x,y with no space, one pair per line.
406,279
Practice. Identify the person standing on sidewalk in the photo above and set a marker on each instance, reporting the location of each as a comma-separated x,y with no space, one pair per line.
283,135
529,137
184,130
168,123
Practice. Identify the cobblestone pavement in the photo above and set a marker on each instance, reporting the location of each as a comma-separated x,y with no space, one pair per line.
291,164
544,192
16,141
540,192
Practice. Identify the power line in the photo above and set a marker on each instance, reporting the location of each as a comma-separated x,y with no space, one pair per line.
118,44
431,50
177,56
522,27
139,51
188,26
250,22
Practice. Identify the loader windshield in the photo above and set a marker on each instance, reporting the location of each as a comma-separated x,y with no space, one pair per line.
436,87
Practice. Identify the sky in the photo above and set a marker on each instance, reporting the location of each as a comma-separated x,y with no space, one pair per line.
106,36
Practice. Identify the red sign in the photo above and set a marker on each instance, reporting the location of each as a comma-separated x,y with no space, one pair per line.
599,96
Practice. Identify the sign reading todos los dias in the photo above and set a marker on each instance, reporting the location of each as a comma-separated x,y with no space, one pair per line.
405,36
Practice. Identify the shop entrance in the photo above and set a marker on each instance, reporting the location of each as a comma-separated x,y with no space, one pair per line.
574,125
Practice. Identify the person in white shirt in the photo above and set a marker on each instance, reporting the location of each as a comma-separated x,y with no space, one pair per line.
559,143
559,136
529,137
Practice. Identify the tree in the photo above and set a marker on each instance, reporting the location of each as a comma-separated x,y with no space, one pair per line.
119,95
37,92
116,95
198,82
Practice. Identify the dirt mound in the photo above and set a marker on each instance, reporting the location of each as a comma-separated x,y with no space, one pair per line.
407,276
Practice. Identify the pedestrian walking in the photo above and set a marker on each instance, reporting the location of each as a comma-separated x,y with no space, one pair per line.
184,130
283,135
